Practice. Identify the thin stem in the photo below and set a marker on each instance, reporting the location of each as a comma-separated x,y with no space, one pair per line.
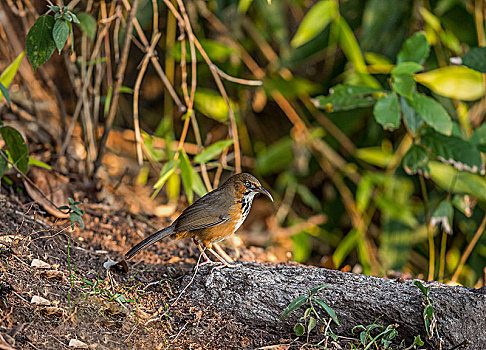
430,234
442,259
469,249
119,80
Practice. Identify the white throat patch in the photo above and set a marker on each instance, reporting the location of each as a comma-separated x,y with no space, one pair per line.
246,203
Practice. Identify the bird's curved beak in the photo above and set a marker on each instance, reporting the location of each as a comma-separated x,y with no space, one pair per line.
261,190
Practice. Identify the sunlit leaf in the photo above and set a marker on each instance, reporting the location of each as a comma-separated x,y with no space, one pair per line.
353,53
211,104
476,59
301,246
374,155
318,17
407,68
363,192
88,25
416,161
186,174
450,179
290,88
39,42
166,171
16,147
347,97
443,215
344,248
8,74
457,82
414,49
453,150
387,111
197,184
432,113
212,151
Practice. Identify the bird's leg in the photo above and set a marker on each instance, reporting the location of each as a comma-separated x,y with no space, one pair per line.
225,263
206,259
222,253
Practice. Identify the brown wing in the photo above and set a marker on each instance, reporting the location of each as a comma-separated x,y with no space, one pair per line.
208,211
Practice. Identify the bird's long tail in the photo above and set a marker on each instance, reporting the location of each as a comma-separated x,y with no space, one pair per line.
157,236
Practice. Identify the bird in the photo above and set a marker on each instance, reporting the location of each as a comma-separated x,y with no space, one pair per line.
213,217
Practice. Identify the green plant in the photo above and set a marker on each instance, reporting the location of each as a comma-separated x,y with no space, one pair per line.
49,33
384,337
74,212
308,320
430,320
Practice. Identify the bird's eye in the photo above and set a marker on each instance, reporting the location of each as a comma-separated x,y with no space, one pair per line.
247,184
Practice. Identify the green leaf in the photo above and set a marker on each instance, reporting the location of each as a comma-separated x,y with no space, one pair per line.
432,113
166,171
186,174
479,138
456,82
418,341
9,73
16,147
60,33
443,215
309,198
197,184
211,104
318,288
294,305
4,92
318,17
353,53
39,163
422,288
330,311
299,329
450,179
3,163
414,49
347,97
404,85
311,325
88,25
39,43
387,111
413,120
407,68
453,150
212,151
416,161
476,59
74,17
275,158
462,204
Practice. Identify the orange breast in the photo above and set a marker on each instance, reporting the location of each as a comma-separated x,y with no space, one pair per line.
217,233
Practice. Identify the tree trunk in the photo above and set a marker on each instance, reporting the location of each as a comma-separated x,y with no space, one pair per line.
257,294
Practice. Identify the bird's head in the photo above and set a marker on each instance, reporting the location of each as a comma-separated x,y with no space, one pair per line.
247,185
